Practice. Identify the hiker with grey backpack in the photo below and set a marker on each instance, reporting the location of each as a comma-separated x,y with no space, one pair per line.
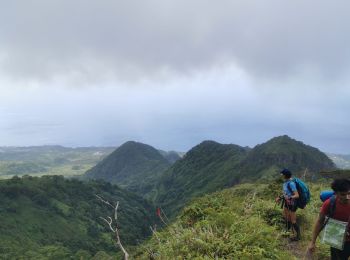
295,195
334,219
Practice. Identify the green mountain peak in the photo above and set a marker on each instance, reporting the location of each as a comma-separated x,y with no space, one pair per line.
212,166
286,152
133,165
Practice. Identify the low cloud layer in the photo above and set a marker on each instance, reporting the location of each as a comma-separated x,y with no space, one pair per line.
174,73
129,40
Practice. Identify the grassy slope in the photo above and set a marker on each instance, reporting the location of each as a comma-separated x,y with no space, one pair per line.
237,223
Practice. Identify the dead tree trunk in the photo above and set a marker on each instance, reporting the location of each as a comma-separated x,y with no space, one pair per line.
113,226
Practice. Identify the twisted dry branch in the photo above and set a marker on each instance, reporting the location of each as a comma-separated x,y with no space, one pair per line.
104,201
109,222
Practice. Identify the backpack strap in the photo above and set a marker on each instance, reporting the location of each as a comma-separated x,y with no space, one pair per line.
331,208
289,188
331,211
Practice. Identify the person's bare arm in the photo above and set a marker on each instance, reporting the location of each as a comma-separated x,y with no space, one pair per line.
316,231
295,195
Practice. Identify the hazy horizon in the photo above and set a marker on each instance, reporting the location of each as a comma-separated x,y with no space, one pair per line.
116,146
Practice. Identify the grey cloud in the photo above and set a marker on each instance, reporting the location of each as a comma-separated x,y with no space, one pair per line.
94,40
237,72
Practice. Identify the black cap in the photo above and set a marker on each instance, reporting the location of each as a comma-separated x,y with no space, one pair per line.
285,171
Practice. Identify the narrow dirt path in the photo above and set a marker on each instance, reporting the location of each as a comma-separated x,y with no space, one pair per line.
297,248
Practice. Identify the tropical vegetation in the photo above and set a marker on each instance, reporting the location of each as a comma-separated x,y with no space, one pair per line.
216,202
55,218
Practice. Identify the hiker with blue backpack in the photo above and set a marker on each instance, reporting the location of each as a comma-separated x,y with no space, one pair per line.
295,195
334,219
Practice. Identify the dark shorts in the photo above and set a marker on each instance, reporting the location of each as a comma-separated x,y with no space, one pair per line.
291,206
344,254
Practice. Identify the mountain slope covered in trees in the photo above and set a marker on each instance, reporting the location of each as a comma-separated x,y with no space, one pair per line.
171,156
204,169
54,218
211,166
134,166
266,159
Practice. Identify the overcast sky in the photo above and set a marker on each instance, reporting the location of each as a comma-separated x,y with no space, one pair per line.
174,73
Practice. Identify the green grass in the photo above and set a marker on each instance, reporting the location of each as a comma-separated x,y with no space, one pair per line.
238,223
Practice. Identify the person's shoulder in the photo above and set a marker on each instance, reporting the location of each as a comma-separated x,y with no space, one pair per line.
327,201
291,183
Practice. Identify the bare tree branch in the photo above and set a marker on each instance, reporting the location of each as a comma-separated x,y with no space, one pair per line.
154,233
126,255
115,229
115,211
166,218
109,223
104,201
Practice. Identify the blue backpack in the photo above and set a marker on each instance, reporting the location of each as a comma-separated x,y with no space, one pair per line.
304,193
324,195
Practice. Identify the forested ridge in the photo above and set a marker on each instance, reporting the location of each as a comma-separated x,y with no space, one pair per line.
55,218
211,166
216,202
